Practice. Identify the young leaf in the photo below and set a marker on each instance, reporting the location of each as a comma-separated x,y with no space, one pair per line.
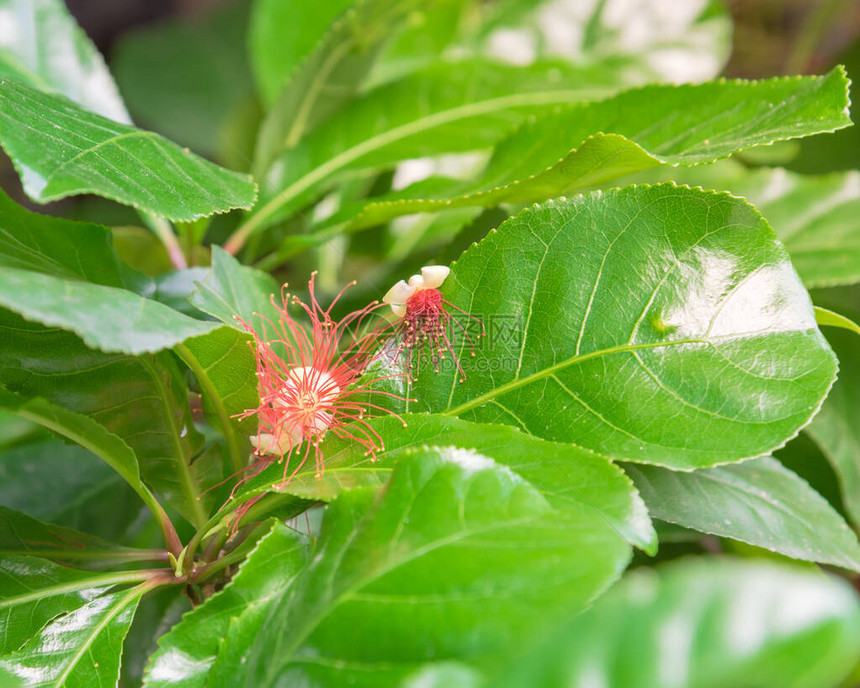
570,478
61,150
759,502
829,318
431,569
43,45
590,144
186,654
232,289
80,648
699,623
657,324
33,591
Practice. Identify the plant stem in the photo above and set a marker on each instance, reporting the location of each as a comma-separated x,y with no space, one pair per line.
164,231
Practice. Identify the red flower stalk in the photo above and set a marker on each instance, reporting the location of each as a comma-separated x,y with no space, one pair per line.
310,382
425,320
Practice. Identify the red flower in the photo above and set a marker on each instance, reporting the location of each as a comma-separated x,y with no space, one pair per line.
425,320
311,384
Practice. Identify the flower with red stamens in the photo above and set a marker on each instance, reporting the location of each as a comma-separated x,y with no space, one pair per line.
425,319
311,382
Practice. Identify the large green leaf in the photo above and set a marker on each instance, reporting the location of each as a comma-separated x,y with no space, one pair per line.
81,648
42,44
185,78
106,318
456,558
281,37
816,217
186,654
33,591
593,143
61,150
441,110
702,623
570,478
57,247
655,324
760,502
143,400
22,535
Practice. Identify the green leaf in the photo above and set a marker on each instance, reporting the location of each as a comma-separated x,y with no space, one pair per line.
225,367
106,318
700,623
654,324
441,110
43,45
815,217
570,478
62,150
835,429
184,79
432,568
830,318
22,535
81,648
143,400
759,502
57,247
232,289
282,35
33,591
593,143
330,73
186,654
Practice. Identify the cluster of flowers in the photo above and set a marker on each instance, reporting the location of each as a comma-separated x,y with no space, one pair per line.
317,381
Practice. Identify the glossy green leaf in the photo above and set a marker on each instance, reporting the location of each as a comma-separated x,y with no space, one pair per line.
232,289
431,569
143,400
331,72
657,324
81,648
43,45
186,654
57,247
106,318
438,111
701,623
759,502
282,35
33,591
570,478
816,217
593,143
22,535
836,428
185,78
62,150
